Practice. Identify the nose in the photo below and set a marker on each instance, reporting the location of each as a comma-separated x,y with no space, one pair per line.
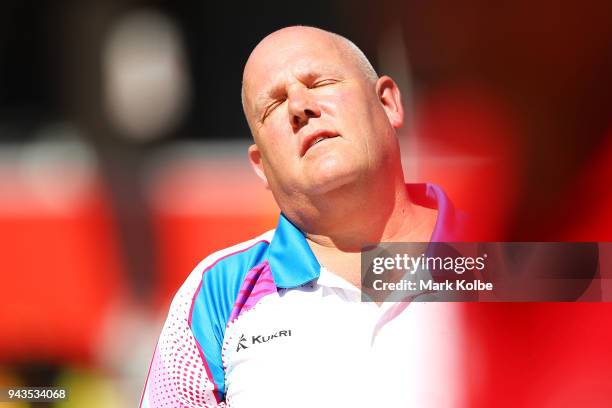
302,107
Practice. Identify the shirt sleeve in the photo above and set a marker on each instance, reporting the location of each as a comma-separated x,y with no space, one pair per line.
180,374
187,369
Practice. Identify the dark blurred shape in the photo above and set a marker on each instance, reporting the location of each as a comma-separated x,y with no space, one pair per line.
50,56
544,67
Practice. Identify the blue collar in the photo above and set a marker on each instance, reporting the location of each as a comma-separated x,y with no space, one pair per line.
291,259
293,264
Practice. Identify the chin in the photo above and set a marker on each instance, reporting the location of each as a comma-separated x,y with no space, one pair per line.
332,175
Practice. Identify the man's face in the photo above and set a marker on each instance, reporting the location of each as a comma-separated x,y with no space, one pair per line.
317,120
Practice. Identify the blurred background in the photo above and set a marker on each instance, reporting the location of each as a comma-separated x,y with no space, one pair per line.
123,164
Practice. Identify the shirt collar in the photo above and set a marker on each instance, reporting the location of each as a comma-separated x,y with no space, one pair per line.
449,221
290,257
293,264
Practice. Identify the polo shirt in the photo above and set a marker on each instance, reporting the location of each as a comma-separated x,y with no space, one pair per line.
263,324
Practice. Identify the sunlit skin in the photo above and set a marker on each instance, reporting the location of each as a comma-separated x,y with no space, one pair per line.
301,84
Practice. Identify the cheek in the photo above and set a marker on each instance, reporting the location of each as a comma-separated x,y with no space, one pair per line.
350,107
278,146
358,104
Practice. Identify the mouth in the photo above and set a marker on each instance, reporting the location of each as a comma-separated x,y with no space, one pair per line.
315,138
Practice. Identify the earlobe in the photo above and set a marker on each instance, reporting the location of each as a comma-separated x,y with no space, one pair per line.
257,163
391,100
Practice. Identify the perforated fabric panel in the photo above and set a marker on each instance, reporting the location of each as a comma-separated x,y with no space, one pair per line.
178,376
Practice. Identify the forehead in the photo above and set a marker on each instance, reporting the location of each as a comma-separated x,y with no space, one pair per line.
276,61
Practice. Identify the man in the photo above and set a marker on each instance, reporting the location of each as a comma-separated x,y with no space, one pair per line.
277,321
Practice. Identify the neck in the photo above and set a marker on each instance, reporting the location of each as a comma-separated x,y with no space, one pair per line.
348,218
338,225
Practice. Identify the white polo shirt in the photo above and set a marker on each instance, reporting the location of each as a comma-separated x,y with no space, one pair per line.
262,324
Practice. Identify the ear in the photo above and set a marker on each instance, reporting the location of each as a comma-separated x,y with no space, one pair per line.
389,95
257,163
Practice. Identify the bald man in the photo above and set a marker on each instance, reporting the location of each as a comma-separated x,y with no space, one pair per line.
277,321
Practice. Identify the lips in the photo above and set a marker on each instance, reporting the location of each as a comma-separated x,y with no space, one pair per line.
315,138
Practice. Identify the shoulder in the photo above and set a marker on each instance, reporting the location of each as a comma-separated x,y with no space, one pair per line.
221,274
193,332
224,267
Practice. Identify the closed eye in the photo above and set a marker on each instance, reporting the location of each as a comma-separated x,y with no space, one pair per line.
324,82
270,108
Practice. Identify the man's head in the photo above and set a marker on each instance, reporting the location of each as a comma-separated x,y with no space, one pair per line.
320,116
